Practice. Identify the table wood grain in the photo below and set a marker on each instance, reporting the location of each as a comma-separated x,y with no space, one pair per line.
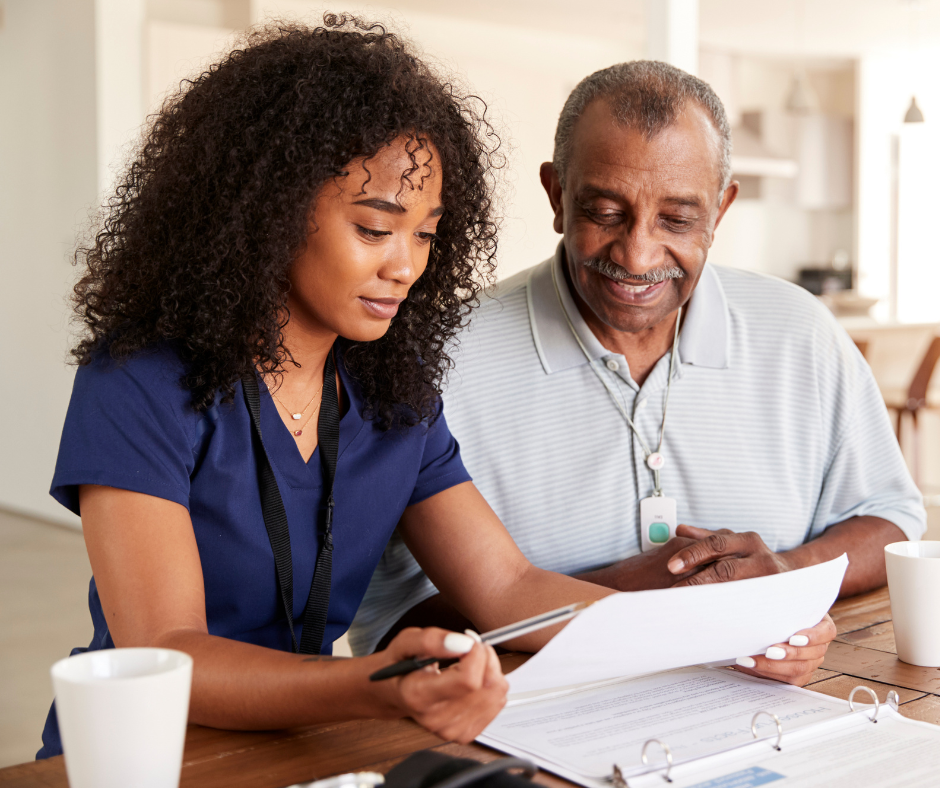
863,653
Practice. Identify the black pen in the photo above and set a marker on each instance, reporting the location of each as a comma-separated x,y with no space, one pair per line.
490,638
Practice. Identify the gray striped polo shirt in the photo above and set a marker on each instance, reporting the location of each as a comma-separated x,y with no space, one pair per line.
775,425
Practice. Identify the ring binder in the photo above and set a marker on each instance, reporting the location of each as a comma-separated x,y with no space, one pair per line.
870,691
776,720
666,750
693,745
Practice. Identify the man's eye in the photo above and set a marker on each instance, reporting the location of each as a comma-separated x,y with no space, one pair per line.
674,223
369,233
603,217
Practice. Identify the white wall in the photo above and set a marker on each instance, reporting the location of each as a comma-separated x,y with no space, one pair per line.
47,186
885,85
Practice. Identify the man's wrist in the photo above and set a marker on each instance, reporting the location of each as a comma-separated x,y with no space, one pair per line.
798,558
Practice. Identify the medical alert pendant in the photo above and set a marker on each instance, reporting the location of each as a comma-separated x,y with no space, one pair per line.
657,520
656,461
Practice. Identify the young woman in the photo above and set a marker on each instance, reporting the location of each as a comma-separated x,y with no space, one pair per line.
266,313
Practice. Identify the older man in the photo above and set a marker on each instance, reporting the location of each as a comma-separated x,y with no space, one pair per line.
626,386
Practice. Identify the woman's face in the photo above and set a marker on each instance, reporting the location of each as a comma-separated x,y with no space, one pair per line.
369,241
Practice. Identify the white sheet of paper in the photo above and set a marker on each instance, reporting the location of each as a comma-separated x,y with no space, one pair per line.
631,634
856,753
696,711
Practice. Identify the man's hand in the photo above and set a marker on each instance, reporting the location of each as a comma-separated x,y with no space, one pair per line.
645,570
720,556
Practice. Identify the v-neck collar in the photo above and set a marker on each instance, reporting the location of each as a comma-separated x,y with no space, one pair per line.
280,444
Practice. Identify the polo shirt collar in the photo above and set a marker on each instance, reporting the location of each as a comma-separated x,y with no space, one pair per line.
705,335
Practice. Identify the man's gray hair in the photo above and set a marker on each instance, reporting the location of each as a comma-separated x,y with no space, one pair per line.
645,95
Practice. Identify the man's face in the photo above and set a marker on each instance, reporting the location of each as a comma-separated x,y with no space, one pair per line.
638,216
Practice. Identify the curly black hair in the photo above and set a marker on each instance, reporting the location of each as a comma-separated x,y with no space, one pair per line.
195,246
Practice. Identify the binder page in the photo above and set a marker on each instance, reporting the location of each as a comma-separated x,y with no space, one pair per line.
632,634
696,711
852,752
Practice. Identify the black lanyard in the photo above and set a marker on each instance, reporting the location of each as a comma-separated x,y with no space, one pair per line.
275,518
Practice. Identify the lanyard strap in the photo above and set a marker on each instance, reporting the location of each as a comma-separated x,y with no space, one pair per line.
657,487
275,517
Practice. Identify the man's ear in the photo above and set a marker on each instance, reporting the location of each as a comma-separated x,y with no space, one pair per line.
726,199
552,187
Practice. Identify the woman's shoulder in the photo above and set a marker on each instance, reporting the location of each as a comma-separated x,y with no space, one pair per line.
150,379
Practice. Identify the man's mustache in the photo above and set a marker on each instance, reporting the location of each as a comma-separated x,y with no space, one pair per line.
620,274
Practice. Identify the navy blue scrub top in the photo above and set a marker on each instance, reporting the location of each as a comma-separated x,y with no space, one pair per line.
131,426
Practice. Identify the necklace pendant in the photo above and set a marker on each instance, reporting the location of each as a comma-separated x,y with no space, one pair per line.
296,416
298,433
655,461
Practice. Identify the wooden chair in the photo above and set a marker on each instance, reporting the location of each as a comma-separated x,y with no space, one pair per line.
915,401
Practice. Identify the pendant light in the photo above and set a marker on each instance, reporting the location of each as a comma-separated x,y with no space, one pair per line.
913,114
802,99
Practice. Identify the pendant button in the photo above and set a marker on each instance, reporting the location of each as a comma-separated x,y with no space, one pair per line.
655,461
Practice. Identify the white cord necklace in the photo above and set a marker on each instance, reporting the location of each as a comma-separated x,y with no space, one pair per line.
654,459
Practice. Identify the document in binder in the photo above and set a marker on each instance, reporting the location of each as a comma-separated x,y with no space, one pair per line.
712,728
647,631
576,716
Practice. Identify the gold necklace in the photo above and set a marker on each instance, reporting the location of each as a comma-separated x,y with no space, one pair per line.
299,432
297,416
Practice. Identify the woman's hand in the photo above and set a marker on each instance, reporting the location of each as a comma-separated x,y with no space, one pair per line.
793,662
457,703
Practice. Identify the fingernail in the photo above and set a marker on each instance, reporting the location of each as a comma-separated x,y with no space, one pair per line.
471,634
746,662
457,643
775,652
799,640
676,565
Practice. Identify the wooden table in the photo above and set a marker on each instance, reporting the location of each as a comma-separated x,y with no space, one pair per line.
863,653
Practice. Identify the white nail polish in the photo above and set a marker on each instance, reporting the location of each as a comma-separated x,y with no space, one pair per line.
470,633
746,662
775,652
799,640
457,643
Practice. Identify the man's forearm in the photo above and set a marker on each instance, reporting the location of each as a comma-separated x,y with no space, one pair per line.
863,539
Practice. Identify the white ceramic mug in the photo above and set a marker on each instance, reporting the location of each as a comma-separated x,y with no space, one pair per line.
914,586
122,716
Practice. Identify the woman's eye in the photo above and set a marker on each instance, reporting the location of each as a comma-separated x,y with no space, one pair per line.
426,237
372,233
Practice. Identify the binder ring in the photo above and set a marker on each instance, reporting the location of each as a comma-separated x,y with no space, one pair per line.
666,750
776,720
893,700
617,778
863,688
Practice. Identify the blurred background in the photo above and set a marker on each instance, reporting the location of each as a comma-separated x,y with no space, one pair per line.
835,108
